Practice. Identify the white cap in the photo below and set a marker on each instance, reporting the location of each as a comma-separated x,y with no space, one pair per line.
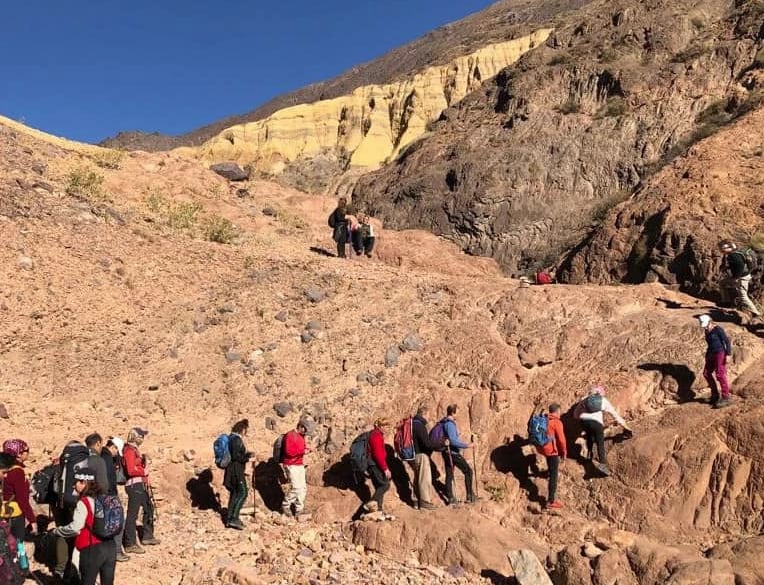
705,321
118,443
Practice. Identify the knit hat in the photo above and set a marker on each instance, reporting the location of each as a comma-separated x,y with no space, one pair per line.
84,474
705,321
136,433
118,443
598,389
15,447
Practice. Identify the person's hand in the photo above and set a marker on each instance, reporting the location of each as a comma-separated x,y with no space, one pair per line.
388,475
446,442
32,529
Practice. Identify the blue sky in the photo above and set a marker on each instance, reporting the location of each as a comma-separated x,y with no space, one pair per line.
86,69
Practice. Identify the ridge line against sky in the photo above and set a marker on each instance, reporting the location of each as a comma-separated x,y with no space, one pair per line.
87,71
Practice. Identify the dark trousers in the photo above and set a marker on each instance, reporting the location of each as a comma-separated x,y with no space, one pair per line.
98,560
64,546
137,498
452,460
553,465
595,433
238,495
381,484
18,527
341,237
361,244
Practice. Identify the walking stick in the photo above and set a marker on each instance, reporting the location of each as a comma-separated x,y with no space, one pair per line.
473,436
254,494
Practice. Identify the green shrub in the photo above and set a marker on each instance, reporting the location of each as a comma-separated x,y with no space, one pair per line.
219,229
108,159
614,107
155,202
183,216
86,184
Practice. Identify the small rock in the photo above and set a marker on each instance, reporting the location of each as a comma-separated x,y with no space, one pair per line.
230,171
232,357
591,551
154,388
39,168
227,308
282,316
283,408
456,571
527,567
179,377
189,454
25,263
242,193
315,381
4,412
269,211
261,389
392,355
306,337
412,342
314,326
270,423
354,392
315,295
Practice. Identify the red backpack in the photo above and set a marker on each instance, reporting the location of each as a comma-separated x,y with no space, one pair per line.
404,439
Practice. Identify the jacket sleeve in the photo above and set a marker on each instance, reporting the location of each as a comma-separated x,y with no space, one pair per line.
377,449
19,485
293,446
610,409
725,341
133,464
238,450
559,439
453,435
76,525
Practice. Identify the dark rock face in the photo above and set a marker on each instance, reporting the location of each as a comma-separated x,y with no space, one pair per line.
518,170
230,171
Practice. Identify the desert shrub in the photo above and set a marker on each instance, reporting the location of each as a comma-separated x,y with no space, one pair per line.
601,210
690,54
757,242
562,58
155,202
86,184
608,55
220,230
290,220
570,106
183,215
108,159
614,107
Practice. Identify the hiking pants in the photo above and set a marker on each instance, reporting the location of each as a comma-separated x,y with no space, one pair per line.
64,546
595,433
361,244
237,497
381,484
298,489
98,560
553,465
18,527
422,478
737,289
137,498
452,460
715,364
341,237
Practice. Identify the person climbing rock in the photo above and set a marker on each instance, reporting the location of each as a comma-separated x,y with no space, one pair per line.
16,506
338,221
452,458
590,411
718,349
378,468
423,449
293,451
555,452
736,268
235,478
363,236
137,487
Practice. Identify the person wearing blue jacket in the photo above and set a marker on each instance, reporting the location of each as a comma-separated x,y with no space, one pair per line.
452,458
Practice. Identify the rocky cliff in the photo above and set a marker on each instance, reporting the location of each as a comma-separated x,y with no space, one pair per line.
519,171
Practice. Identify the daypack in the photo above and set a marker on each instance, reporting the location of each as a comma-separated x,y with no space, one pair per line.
278,449
222,450
438,434
73,457
108,517
404,439
359,454
331,221
750,257
593,403
43,484
538,430
10,572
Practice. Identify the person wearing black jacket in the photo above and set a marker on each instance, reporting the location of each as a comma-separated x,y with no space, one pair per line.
235,478
111,455
339,224
737,279
423,448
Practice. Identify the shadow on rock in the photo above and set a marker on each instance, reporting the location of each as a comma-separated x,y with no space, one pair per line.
268,477
200,490
509,458
683,375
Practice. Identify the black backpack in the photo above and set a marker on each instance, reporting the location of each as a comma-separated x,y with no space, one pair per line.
43,482
73,457
751,258
359,455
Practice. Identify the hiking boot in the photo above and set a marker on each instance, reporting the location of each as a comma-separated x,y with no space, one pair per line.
371,506
472,498
453,502
122,557
135,549
602,468
723,402
151,541
287,511
236,524
427,506
555,505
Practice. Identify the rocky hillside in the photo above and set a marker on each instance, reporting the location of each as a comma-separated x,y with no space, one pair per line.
141,289
502,21
620,88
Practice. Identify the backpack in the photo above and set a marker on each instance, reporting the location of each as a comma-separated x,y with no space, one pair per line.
593,403
359,454
10,571
438,434
222,450
404,439
750,257
42,484
538,430
278,449
108,517
73,457
331,221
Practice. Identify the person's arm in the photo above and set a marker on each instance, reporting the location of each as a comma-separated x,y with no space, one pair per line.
453,436
76,525
610,409
19,486
238,451
133,463
423,437
559,439
725,341
736,263
377,449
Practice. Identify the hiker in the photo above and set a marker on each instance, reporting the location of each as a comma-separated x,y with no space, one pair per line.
15,494
555,451
94,443
590,411
452,457
338,221
138,490
6,462
423,449
362,236
235,478
294,450
111,454
718,349
378,468
736,268
97,558
543,277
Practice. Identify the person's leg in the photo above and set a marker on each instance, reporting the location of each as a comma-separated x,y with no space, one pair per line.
108,563
720,369
131,517
464,467
745,300
62,517
299,487
239,496
553,464
589,436
423,479
708,374
381,485
369,245
89,565
148,514
449,465
357,241
415,464
599,436
18,527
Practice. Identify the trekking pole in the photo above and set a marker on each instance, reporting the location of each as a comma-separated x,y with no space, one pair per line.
254,494
473,436
155,512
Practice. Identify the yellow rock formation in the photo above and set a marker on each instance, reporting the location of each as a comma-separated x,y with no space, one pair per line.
372,124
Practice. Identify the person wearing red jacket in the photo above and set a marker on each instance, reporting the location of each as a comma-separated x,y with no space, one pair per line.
137,488
554,451
292,452
378,469
15,495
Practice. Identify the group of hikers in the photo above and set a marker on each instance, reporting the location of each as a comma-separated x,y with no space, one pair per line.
81,489
348,228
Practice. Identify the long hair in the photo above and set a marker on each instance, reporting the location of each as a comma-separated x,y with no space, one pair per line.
241,426
91,489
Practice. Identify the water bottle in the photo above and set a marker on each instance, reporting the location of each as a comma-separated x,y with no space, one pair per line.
22,554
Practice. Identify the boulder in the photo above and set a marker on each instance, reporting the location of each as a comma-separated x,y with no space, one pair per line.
527,568
230,171
392,355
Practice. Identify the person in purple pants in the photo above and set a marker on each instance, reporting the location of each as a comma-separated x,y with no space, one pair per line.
719,348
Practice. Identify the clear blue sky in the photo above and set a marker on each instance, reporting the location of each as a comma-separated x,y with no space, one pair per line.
86,69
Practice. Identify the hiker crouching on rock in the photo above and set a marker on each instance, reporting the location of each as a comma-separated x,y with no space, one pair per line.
97,558
737,268
452,458
235,478
378,468
138,489
15,496
590,411
555,451
294,450
338,221
718,349
363,236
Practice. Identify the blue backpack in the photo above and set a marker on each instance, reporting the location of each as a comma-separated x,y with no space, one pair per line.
538,427
108,517
222,450
438,434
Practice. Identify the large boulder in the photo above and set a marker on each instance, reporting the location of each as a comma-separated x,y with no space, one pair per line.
230,171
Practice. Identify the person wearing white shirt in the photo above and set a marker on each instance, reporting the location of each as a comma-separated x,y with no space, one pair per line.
591,412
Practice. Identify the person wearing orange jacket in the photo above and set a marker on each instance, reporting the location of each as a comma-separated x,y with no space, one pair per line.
378,469
555,451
